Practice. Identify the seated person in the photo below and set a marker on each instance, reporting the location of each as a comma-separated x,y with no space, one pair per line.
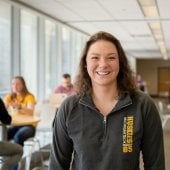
66,87
12,150
22,100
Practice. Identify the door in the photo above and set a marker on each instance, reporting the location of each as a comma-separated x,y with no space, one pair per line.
164,81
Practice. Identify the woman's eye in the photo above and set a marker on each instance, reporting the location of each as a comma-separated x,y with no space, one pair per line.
111,57
94,58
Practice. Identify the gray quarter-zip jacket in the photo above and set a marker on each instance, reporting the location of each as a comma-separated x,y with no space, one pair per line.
113,142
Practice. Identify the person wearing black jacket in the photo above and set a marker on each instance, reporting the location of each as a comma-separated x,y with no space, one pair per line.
109,122
8,149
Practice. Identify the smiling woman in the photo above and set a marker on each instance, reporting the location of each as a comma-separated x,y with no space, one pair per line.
108,122
103,64
103,67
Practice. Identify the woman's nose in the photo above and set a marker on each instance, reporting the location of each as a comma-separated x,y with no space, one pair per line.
103,62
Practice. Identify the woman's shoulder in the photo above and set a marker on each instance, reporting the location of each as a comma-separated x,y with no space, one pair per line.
143,98
142,95
30,96
7,98
71,100
67,106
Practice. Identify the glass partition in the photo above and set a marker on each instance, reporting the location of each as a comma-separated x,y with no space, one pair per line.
5,47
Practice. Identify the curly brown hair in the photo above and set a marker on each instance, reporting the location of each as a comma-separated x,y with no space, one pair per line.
125,79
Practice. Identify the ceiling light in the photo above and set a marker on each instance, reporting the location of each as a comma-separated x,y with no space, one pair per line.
147,2
155,25
163,49
161,44
157,32
158,37
149,8
150,11
165,57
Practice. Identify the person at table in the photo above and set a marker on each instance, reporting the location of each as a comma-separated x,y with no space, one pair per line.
12,150
66,86
23,101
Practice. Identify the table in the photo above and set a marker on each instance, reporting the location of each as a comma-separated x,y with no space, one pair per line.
19,119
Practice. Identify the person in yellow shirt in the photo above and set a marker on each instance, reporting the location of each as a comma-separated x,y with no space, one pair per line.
22,100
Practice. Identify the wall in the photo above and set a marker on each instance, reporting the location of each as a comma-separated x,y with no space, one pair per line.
148,69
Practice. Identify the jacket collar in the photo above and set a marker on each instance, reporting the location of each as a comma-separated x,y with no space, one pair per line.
124,101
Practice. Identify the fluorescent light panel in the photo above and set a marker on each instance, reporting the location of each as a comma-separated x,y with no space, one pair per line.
147,2
155,25
150,9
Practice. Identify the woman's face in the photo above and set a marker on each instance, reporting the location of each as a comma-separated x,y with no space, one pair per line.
103,63
17,86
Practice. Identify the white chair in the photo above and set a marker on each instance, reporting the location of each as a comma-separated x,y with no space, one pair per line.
46,113
43,137
31,146
1,162
165,115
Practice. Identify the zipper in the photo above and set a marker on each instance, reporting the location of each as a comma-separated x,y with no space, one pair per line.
105,124
105,117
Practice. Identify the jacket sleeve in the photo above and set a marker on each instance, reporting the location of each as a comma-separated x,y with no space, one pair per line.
62,147
4,116
152,142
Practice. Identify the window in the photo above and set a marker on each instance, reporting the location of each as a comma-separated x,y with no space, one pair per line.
5,47
50,56
77,47
29,50
65,50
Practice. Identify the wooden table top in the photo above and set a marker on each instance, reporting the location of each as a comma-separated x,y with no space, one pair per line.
19,119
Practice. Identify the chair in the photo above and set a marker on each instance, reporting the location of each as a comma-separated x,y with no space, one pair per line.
30,145
1,161
46,112
164,113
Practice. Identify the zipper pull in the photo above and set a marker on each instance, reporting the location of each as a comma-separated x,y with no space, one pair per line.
105,121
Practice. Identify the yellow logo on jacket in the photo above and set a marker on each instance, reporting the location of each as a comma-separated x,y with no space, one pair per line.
128,134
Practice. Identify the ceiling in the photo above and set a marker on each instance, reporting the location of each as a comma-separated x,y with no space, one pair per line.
123,18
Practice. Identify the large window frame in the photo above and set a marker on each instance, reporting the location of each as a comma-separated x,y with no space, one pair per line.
40,58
